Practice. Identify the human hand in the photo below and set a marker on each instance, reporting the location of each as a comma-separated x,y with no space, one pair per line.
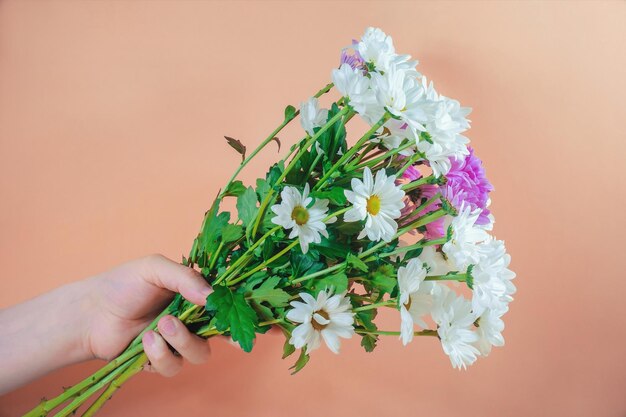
127,298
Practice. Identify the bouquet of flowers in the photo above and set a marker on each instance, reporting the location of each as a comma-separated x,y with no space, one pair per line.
314,248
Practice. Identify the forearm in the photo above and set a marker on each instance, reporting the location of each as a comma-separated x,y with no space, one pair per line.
44,334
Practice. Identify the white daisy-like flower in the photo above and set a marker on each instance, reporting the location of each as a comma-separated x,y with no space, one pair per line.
378,202
463,248
306,221
402,96
415,298
311,116
492,278
355,87
393,133
454,317
328,317
490,327
377,49
435,262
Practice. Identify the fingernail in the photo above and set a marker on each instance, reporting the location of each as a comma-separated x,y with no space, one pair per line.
148,338
167,326
205,292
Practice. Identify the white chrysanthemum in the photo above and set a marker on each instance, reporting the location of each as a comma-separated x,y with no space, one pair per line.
327,317
492,278
311,116
354,86
378,202
415,298
393,133
446,120
376,48
454,318
462,249
435,261
402,96
305,222
490,326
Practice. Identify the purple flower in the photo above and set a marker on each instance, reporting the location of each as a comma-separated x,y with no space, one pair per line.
352,57
467,183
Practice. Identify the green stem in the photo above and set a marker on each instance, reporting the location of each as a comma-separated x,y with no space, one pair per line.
241,259
293,162
269,139
420,244
417,183
45,407
135,367
410,162
391,333
460,277
78,401
387,303
345,157
362,155
264,264
382,157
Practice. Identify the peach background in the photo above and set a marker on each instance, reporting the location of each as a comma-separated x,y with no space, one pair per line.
111,124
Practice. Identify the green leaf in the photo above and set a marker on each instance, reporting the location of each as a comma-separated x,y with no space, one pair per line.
413,253
366,318
290,112
247,206
237,145
288,348
303,359
357,263
208,240
336,195
338,282
235,189
233,312
232,233
262,188
384,278
368,341
268,292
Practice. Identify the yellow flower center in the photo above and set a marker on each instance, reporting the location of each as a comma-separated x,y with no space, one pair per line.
300,215
317,326
373,205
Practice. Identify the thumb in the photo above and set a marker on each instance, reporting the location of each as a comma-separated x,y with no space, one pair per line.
165,273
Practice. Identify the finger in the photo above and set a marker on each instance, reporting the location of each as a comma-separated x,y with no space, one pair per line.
172,276
162,360
190,346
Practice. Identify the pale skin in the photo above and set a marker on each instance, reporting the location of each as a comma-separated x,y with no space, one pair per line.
97,318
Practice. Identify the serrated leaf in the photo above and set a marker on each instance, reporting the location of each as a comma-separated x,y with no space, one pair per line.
303,359
336,195
356,262
338,282
233,313
267,292
288,348
247,206
366,317
237,145
383,278
232,233
368,341
235,189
